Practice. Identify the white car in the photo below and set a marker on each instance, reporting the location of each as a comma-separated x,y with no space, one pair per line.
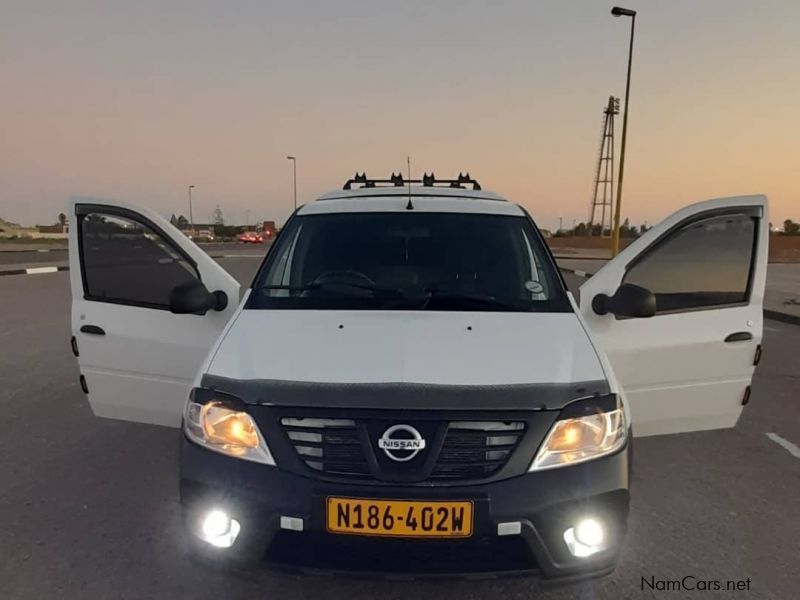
431,399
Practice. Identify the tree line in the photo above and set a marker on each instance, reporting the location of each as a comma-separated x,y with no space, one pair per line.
218,225
626,230
790,228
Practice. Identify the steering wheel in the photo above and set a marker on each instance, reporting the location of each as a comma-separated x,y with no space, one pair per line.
344,277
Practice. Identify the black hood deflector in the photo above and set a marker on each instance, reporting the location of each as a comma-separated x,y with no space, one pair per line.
405,396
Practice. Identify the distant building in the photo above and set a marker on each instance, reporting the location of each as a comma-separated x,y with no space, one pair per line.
16,231
57,228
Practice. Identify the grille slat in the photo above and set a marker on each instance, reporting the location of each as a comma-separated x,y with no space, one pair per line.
464,457
476,449
335,443
471,449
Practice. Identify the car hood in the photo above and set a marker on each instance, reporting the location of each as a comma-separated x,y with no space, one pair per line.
284,349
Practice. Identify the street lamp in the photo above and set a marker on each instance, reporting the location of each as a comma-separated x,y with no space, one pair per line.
618,11
191,216
294,168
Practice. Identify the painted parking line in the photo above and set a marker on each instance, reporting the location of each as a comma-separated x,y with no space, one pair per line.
793,449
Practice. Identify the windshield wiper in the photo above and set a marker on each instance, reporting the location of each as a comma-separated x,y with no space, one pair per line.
421,297
463,297
332,286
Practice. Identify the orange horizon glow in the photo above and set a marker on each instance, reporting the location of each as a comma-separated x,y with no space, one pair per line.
138,101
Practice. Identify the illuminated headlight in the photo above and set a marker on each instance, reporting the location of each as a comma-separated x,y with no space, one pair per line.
579,439
225,430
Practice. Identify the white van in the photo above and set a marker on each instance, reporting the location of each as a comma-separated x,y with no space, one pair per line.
407,385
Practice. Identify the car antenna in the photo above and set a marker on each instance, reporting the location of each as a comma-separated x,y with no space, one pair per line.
409,206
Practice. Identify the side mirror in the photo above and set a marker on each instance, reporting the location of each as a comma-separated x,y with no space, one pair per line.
192,298
628,301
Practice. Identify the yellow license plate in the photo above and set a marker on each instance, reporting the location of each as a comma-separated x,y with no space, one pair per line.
400,518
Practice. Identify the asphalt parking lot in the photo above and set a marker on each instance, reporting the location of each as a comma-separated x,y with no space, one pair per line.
89,507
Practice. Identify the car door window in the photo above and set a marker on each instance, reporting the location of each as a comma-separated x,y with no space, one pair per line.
702,264
126,261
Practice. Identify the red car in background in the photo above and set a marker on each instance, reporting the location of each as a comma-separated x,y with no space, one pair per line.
251,237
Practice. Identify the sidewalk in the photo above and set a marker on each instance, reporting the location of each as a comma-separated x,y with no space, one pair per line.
781,297
33,247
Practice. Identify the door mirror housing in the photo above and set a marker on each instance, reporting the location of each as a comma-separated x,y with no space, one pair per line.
628,301
192,298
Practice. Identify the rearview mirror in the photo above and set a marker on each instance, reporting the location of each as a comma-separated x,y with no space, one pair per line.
628,301
193,298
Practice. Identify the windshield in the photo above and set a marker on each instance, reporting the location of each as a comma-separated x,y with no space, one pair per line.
409,261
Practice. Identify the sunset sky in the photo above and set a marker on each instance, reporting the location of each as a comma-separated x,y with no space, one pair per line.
138,99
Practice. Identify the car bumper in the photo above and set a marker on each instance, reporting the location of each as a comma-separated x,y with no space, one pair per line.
545,503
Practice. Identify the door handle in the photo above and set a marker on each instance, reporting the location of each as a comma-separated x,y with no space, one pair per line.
739,336
92,329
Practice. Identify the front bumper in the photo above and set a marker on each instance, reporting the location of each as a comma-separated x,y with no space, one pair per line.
545,503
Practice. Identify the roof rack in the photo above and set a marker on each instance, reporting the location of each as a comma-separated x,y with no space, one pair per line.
398,181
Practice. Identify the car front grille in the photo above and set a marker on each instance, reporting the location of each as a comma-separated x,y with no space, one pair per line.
331,446
470,450
476,449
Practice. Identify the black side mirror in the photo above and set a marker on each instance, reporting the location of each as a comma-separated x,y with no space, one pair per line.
628,301
193,298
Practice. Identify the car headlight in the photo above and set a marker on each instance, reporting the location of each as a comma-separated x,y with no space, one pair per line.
577,439
218,427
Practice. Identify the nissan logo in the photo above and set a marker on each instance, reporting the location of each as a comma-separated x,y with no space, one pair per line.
401,443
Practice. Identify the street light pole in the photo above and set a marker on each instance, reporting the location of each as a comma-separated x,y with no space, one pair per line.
618,11
191,216
294,169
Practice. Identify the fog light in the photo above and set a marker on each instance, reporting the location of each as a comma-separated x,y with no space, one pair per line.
586,538
219,529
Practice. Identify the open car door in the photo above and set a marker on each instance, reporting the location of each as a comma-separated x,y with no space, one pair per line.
700,273
137,357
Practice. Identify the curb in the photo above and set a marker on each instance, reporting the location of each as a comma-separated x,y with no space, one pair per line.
576,272
43,250
33,271
56,268
578,257
768,314
782,317
259,256
773,315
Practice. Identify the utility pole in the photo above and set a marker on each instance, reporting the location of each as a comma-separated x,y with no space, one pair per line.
191,216
618,11
294,169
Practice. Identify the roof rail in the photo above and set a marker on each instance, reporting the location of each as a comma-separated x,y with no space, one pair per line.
398,181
